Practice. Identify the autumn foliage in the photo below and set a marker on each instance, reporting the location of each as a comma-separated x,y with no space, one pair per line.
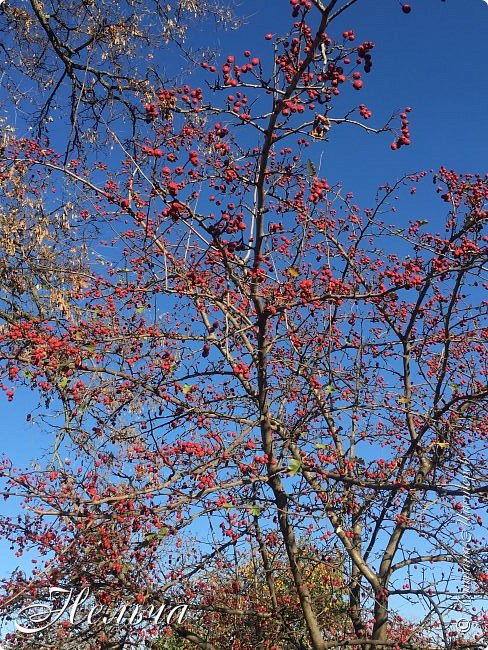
262,398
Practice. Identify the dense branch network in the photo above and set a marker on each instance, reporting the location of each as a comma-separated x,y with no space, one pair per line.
266,397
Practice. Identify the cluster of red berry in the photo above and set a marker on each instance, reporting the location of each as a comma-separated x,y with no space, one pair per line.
404,139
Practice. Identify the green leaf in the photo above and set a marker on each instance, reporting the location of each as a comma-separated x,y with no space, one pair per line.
186,388
163,532
63,382
329,389
27,374
255,510
320,445
311,168
140,309
294,466
149,539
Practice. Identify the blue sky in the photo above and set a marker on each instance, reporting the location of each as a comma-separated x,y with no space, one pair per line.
433,59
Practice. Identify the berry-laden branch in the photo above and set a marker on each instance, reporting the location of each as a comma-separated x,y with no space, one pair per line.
259,396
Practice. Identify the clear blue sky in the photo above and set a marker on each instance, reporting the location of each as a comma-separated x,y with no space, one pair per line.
433,59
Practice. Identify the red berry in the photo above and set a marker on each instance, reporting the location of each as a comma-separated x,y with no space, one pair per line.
358,84
406,9
268,37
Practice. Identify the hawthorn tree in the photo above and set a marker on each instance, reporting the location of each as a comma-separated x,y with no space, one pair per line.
254,382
